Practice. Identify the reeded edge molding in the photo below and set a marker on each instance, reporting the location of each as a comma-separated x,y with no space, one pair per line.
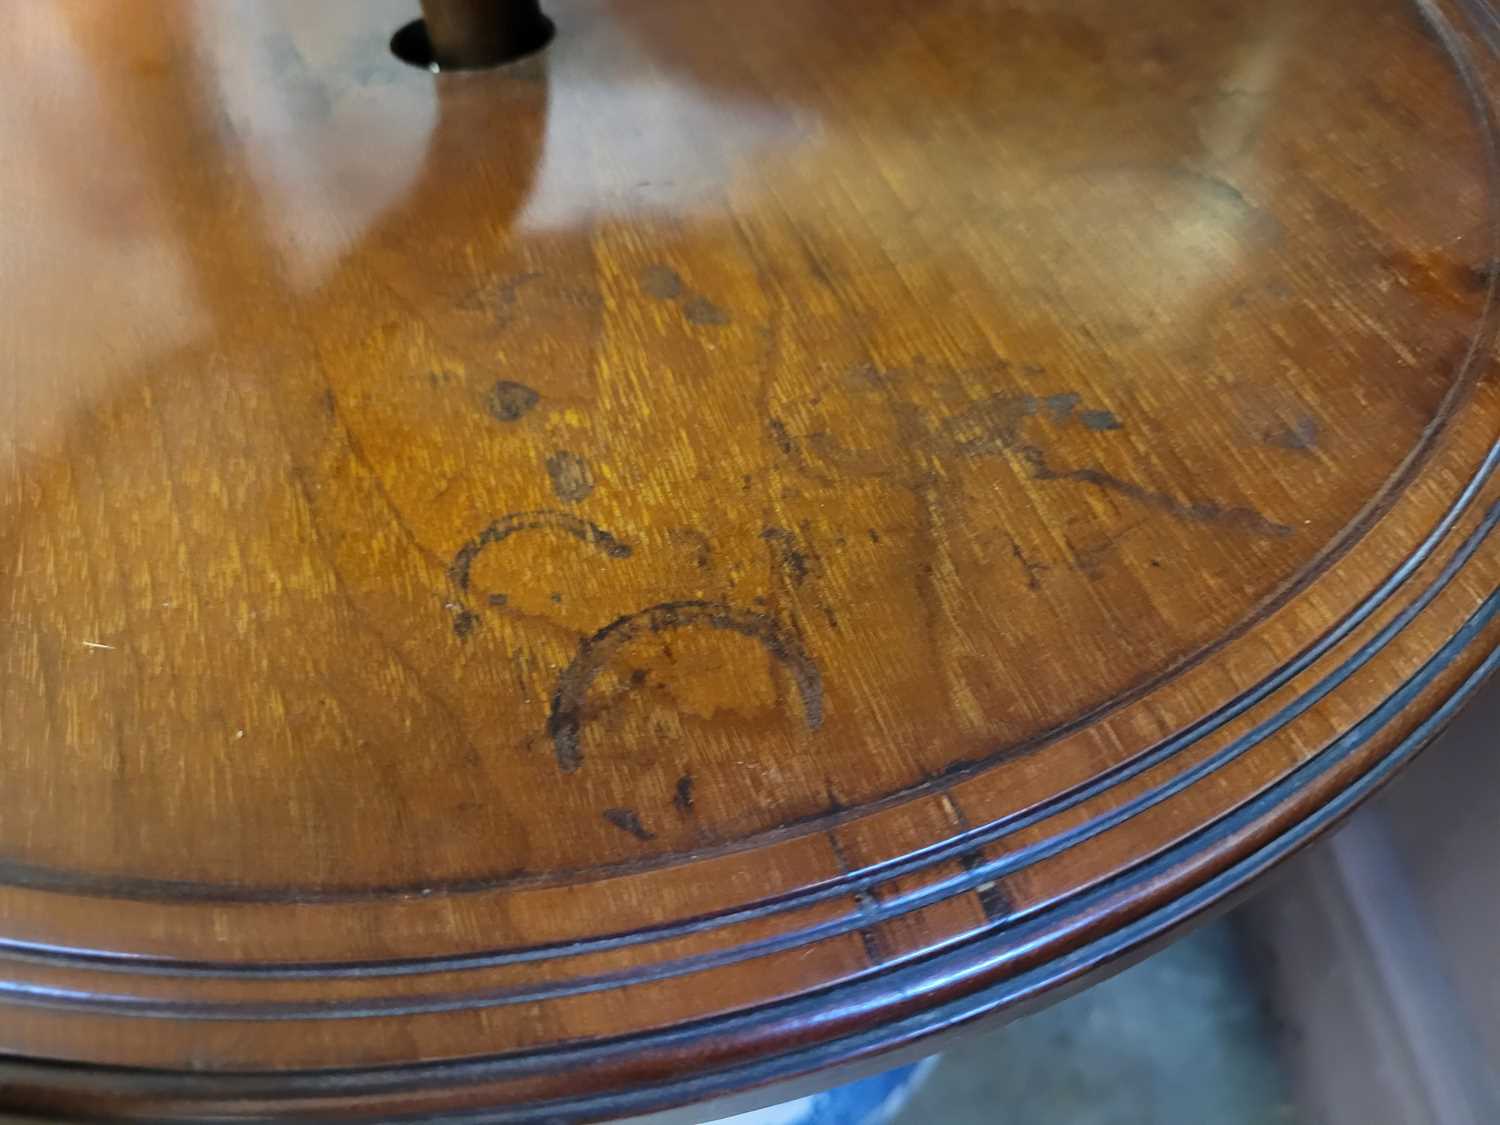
874,910
293,1091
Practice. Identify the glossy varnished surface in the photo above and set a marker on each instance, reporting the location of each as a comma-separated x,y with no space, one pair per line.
519,561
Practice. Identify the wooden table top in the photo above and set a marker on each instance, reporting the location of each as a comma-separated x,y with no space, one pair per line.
756,534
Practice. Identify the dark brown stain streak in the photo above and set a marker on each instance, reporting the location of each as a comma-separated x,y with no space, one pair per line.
790,558
546,520
629,821
1200,511
684,796
994,426
596,652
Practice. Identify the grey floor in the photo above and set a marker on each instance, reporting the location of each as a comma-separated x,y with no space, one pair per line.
1180,1039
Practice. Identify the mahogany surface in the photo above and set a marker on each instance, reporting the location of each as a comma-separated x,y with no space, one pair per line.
753,535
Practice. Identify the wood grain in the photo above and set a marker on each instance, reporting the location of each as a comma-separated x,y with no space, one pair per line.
725,546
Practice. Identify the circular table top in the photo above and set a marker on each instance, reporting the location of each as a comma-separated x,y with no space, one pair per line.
751,536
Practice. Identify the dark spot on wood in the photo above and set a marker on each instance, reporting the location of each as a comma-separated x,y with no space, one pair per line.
1480,278
509,402
816,269
464,623
662,282
1061,407
572,479
789,557
874,536
780,436
958,767
626,820
702,311
684,798
638,676
1034,570
865,900
330,403
1439,278
503,528
992,425
834,805
993,900
499,601
595,653
1301,437
557,599
1100,420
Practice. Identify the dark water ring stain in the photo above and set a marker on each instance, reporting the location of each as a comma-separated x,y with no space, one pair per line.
564,724
546,520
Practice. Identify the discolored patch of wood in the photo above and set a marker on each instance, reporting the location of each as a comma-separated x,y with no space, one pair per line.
572,479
